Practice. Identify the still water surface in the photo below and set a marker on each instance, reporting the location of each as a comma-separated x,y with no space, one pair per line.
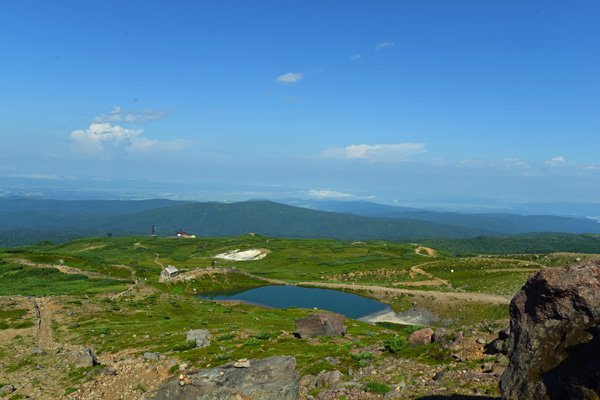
351,305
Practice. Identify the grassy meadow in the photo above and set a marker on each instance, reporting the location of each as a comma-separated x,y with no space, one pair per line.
106,294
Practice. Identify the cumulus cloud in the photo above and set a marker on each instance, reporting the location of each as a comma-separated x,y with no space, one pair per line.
334,195
384,45
104,138
355,57
290,77
556,161
377,152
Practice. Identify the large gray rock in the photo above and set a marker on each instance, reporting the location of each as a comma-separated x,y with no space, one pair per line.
85,358
199,336
323,324
273,378
554,344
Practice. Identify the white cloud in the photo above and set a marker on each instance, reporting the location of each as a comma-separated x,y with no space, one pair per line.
105,138
377,152
384,45
133,117
290,77
355,57
330,194
335,195
98,134
556,161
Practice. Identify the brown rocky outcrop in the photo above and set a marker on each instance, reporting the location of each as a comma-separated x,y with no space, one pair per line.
324,324
420,337
554,341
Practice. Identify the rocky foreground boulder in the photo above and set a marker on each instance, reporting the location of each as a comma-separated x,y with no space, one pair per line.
322,324
272,378
555,336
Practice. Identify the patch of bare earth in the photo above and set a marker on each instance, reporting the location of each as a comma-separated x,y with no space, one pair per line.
91,247
381,291
428,251
65,269
126,377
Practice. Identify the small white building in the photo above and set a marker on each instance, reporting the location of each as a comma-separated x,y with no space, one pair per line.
169,272
185,235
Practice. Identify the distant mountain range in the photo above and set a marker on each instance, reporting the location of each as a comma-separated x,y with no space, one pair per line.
502,223
25,221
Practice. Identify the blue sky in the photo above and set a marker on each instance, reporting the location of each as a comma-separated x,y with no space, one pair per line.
381,100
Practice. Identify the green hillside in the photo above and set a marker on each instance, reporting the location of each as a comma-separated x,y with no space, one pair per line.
528,243
218,219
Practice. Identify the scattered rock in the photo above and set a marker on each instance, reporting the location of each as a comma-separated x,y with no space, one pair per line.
329,379
504,334
243,363
501,359
500,344
496,346
439,376
555,336
272,378
7,389
101,371
487,367
152,356
440,336
332,360
420,337
446,339
200,336
308,381
323,324
480,341
327,395
86,358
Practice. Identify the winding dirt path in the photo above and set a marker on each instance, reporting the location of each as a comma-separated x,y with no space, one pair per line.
43,332
415,270
440,296
65,269
158,262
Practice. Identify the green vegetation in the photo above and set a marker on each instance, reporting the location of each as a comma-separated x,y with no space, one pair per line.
395,344
99,307
14,319
378,263
531,243
377,387
31,281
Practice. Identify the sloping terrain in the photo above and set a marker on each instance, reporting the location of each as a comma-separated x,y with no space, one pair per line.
507,223
105,295
219,219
